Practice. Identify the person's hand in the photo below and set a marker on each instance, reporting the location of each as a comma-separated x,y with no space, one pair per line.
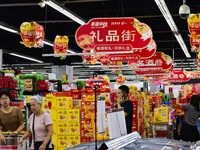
120,100
14,133
2,139
20,141
42,147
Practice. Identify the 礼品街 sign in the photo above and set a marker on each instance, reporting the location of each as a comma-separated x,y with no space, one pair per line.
114,35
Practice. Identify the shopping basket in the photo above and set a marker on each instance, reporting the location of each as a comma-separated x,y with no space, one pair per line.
12,143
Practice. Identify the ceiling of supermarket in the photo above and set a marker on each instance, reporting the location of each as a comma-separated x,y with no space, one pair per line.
14,12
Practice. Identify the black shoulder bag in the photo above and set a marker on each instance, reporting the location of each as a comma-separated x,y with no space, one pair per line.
37,144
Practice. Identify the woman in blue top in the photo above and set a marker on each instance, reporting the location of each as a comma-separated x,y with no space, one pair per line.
189,131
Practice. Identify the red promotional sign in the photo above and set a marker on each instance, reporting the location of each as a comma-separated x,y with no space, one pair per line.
146,52
132,58
113,34
154,71
159,61
178,76
194,74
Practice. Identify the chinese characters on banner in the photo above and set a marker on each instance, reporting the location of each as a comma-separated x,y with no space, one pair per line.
115,35
158,63
176,76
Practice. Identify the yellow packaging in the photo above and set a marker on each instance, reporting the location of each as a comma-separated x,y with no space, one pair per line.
161,114
74,115
54,115
73,129
73,140
62,129
62,116
28,81
62,142
28,98
28,87
64,103
54,139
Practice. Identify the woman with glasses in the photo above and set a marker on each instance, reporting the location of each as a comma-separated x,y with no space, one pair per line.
11,118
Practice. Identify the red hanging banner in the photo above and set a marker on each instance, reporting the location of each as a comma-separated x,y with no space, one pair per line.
114,34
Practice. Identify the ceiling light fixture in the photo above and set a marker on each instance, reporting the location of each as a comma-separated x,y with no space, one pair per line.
8,29
50,44
26,57
55,5
165,11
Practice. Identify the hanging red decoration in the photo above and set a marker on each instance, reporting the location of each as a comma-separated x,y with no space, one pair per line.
32,34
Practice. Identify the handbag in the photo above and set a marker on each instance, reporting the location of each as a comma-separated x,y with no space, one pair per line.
37,144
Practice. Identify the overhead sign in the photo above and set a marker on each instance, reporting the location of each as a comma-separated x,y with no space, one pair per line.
154,71
146,52
114,34
159,61
132,58
178,76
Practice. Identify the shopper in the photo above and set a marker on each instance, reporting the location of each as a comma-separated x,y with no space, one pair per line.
189,131
40,126
122,101
11,118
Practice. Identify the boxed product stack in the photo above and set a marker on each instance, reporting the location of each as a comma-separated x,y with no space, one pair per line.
11,84
87,116
66,121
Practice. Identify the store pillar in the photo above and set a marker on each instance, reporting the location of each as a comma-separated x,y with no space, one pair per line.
63,70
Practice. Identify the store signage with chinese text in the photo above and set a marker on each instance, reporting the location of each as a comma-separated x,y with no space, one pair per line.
159,62
178,76
114,34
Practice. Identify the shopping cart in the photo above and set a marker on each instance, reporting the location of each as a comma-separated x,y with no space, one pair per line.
12,143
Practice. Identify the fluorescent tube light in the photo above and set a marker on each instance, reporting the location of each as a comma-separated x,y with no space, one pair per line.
48,43
70,51
8,29
64,11
167,15
16,32
25,57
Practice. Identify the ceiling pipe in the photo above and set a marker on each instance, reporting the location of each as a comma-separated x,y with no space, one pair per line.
18,4
83,1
